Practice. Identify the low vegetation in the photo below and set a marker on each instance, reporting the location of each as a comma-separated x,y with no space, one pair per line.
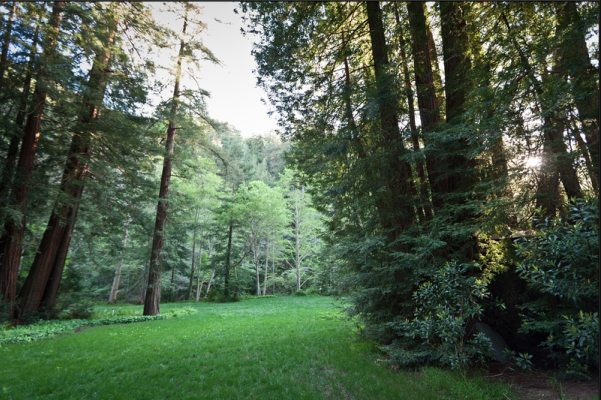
274,348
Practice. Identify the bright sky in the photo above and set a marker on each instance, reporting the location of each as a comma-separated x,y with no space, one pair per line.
234,96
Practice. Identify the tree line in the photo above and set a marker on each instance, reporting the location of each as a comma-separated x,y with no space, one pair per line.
118,185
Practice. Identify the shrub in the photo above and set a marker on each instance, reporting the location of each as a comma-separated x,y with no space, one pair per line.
442,328
300,293
561,261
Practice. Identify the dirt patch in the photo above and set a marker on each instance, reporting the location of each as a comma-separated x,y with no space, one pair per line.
540,384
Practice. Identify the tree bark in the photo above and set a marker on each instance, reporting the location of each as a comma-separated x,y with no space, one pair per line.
575,58
457,65
297,223
14,229
226,286
573,61
193,255
153,290
427,100
59,226
115,287
395,209
266,268
6,44
15,138
425,211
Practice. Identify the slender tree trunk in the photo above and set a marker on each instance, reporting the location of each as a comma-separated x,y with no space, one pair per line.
297,219
556,158
587,159
15,137
427,99
193,254
457,64
211,277
226,288
256,261
273,266
435,67
266,268
72,183
117,278
153,291
396,206
6,44
199,282
424,209
575,58
212,269
10,244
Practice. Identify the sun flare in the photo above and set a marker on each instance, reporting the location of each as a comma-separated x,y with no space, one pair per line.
532,162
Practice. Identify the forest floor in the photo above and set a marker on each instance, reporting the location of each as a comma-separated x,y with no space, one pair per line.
272,348
542,384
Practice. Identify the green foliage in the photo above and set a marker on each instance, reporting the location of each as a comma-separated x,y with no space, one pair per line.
45,329
300,293
520,360
561,261
441,330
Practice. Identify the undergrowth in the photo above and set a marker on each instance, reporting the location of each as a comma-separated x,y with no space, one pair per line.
45,329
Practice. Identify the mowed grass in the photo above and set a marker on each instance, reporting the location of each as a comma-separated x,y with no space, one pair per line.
276,348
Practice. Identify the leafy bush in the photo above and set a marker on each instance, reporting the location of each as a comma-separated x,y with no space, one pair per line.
561,261
442,330
44,329
300,293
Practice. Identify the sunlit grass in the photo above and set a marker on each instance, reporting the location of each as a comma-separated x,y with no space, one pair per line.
279,348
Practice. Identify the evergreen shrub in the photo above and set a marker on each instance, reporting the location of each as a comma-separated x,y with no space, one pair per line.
442,329
561,261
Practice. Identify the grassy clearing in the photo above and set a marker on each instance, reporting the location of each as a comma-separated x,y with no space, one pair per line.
278,348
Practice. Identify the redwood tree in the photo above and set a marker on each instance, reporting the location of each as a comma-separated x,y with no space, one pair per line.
10,245
153,289
44,276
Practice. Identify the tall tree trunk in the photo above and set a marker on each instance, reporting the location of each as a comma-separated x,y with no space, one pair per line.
199,282
273,266
228,253
193,254
587,158
427,100
457,64
556,160
14,228
297,219
266,268
8,170
212,269
153,291
256,261
424,209
6,44
63,215
395,209
117,278
575,59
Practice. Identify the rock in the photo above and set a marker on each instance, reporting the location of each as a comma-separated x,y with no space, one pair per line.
498,343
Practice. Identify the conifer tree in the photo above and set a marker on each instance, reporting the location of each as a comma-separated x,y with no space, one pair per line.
11,246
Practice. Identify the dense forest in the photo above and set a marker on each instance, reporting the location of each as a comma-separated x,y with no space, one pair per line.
436,166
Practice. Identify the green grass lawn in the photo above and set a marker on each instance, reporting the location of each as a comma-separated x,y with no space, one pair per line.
275,348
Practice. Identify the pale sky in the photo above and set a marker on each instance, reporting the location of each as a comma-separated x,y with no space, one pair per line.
235,98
